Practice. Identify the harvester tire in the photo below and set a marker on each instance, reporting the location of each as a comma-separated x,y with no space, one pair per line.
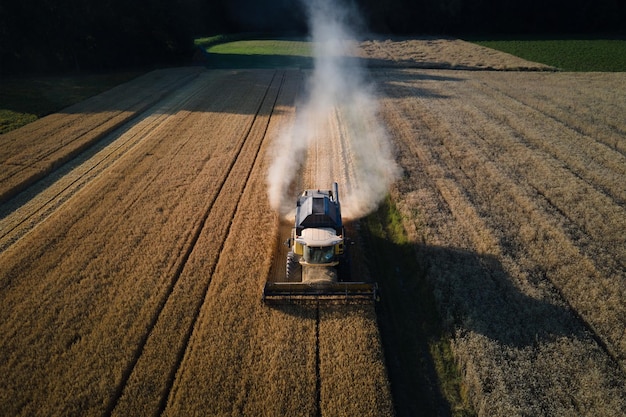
345,269
293,271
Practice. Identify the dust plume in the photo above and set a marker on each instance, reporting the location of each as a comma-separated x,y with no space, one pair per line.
341,105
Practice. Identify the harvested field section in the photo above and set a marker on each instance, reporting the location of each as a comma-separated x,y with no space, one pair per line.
351,363
595,107
431,52
36,149
78,303
507,209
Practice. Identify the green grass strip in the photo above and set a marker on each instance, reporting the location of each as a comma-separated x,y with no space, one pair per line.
424,375
264,47
259,53
579,55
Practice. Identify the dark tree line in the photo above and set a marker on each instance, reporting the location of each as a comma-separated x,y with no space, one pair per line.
496,16
62,35
65,35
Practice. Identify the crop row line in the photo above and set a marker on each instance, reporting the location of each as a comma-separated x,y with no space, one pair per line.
577,216
318,377
569,184
223,191
581,113
268,100
508,278
104,259
183,260
593,160
41,164
35,203
472,170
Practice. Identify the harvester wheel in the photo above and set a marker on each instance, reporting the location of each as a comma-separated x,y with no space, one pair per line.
293,268
345,269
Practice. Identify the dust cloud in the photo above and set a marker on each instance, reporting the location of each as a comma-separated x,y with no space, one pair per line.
340,104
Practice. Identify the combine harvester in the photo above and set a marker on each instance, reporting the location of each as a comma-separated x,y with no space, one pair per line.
318,263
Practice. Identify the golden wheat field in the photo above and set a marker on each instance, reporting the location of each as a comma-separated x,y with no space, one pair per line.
136,237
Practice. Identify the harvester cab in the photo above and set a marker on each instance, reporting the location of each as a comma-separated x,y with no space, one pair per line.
318,262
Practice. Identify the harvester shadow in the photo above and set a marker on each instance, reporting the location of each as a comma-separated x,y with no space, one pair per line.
428,293
412,83
253,61
475,293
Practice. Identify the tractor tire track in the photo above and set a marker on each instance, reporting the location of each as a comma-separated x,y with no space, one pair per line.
348,350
